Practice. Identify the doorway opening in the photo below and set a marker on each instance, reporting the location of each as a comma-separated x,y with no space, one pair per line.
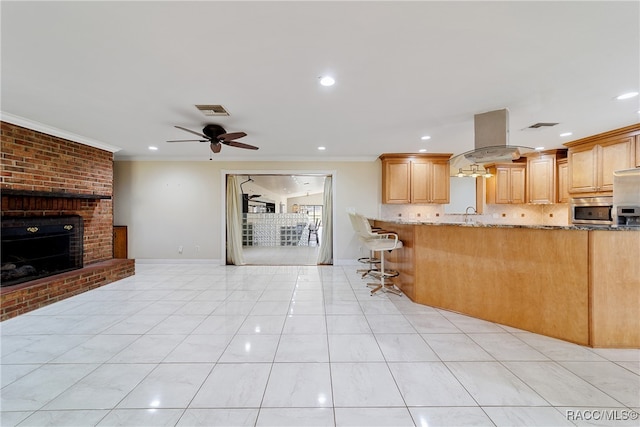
282,218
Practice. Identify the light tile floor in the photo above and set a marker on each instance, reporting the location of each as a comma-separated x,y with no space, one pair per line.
208,345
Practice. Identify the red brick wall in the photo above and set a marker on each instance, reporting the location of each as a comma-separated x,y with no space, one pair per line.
34,161
38,162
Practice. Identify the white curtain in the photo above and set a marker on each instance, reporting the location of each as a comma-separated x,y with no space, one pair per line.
325,254
234,222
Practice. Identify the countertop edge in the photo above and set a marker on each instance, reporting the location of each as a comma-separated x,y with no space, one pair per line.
537,227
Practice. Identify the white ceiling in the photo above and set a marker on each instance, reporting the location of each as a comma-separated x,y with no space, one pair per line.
123,74
285,185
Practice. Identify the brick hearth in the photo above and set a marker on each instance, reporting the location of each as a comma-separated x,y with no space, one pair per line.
46,175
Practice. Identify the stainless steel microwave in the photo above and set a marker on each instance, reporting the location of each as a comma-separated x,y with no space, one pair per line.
592,211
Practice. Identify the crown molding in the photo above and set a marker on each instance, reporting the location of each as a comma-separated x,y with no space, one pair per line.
53,131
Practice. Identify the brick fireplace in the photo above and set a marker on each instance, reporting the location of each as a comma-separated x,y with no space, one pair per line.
46,176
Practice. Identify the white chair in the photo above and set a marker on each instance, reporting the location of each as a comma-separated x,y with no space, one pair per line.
378,242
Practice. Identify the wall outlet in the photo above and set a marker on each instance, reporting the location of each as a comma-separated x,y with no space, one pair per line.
180,249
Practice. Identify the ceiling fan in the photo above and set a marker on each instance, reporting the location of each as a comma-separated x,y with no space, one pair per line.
216,136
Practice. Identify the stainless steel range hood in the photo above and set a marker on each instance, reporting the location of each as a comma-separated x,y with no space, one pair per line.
491,133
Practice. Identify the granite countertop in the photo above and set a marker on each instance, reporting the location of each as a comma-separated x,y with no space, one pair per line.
484,225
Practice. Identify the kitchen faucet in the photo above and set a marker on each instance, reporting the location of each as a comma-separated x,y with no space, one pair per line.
466,213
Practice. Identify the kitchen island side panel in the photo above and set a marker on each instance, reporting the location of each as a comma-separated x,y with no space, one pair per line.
615,288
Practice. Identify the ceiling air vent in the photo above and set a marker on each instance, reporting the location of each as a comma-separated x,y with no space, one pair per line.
212,110
542,125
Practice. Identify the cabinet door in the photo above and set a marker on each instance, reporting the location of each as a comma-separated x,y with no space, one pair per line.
563,184
582,170
120,241
440,182
502,182
541,179
420,182
638,151
612,157
396,179
517,185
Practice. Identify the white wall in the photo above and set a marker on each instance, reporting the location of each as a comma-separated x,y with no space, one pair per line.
170,204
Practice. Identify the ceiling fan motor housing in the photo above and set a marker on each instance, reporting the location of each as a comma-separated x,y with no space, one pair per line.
213,131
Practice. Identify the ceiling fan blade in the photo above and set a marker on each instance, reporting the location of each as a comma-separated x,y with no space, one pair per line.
189,140
193,132
216,147
239,145
230,136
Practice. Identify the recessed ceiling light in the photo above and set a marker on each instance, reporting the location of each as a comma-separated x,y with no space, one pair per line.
626,95
539,148
152,148
425,137
422,150
327,81
566,134
322,148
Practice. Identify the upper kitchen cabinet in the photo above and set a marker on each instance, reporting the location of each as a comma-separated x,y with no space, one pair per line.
562,189
593,160
638,151
542,176
507,183
415,178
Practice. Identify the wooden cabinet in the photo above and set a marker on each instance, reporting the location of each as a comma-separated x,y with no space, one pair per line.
415,178
120,243
638,151
542,176
593,160
507,185
541,179
562,189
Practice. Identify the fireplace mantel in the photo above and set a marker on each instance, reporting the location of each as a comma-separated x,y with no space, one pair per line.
56,194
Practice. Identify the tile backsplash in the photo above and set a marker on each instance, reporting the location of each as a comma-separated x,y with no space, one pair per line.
520,214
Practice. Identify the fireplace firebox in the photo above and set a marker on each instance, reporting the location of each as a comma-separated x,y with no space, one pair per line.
35,247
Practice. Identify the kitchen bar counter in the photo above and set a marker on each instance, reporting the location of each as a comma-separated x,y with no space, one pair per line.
473,223
578,284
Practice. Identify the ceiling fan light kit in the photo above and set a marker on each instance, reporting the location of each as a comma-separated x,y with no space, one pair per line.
216,135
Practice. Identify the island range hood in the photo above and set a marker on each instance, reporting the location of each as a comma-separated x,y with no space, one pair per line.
491,136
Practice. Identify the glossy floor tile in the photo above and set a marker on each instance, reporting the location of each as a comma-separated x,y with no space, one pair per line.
293,345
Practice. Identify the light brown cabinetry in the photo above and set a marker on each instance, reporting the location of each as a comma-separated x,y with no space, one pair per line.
120,243
542,176
562,189
415,178
593,160
507,185
638,151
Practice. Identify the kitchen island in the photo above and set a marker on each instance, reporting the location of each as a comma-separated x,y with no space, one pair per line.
574,283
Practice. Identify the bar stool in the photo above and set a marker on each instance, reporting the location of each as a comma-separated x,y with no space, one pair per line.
371,259
379,242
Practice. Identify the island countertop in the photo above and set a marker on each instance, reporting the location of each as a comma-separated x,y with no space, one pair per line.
580,284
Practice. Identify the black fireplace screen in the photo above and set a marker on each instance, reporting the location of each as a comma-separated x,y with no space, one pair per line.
35,247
